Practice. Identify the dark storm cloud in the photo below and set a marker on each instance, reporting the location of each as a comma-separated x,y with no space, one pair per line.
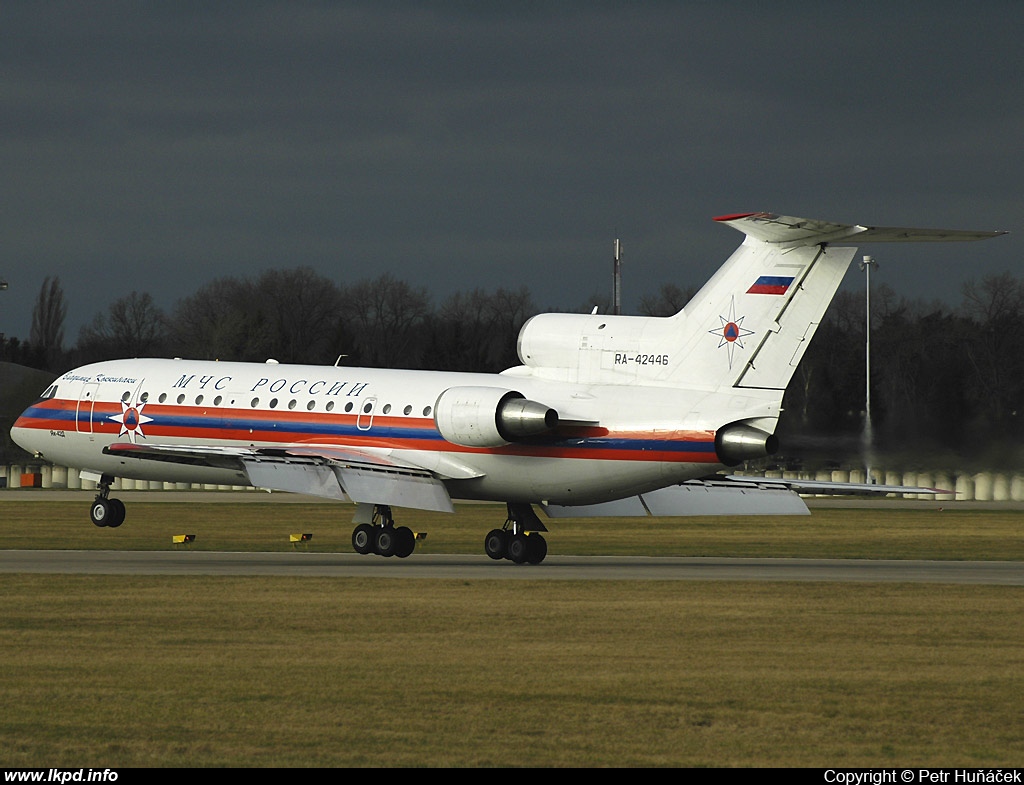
155,147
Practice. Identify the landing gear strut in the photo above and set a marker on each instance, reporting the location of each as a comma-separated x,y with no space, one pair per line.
382,537
518,540
106,511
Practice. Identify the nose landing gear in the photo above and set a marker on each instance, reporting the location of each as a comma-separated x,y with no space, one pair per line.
106,511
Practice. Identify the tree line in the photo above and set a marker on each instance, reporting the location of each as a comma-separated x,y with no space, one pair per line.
299,316
945,380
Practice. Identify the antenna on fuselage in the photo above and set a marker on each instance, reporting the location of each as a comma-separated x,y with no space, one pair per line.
617,280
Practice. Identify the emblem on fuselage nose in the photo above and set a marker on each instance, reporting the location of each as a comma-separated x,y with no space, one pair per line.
131,419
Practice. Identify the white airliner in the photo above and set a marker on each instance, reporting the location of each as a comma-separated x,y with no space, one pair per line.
607,415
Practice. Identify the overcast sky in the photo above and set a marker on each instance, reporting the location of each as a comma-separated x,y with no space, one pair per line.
157,146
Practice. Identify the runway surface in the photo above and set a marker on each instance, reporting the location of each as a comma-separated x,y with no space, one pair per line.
572,568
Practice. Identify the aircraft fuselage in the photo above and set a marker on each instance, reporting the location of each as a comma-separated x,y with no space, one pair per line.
647,438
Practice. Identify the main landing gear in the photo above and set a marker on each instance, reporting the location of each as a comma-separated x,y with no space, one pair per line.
518,540
106,511
382,536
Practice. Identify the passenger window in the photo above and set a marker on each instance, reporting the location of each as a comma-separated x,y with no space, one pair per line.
311,405
163,397
126,397
291,403
217,400
273,403
407,410
330,406
199,399
144,397
181,398
255,403
348,406
426,411
387,408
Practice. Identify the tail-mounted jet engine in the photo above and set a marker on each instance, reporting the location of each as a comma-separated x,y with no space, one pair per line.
739,442
490,416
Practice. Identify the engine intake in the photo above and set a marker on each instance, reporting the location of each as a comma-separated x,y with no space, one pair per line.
739,442
490,416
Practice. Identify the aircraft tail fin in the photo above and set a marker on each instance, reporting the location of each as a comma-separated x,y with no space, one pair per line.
750,325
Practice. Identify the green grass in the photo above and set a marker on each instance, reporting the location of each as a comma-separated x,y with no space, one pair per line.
873,532
212,671
126,671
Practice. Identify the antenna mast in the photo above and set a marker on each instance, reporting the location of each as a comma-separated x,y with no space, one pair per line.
617,280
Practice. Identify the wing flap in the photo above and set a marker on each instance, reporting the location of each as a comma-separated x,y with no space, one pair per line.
310,479
420,490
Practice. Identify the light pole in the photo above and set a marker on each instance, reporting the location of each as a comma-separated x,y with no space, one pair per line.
3,288
868,436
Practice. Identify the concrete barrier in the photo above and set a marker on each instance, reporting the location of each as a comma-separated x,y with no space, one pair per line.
59,477
945,482
925,480
1017,488
983,486
1000,488
980,486
965,487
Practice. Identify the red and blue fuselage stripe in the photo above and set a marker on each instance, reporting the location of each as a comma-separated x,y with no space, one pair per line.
235,425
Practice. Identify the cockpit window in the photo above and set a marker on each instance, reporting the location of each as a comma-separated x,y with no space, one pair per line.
49,392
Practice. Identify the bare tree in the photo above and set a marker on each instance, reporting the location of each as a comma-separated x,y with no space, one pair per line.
477,331
383,316
132,327
47,334
220,321
668,302
992,343
301,311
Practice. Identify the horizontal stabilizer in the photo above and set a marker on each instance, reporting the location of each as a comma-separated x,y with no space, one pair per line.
788,230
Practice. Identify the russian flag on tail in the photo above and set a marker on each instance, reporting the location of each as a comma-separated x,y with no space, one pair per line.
771,284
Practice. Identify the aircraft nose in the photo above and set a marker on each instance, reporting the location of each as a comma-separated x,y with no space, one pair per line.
26,434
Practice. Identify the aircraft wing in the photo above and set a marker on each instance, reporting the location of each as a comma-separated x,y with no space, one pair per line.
731,495
696,497
828,488
341,473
